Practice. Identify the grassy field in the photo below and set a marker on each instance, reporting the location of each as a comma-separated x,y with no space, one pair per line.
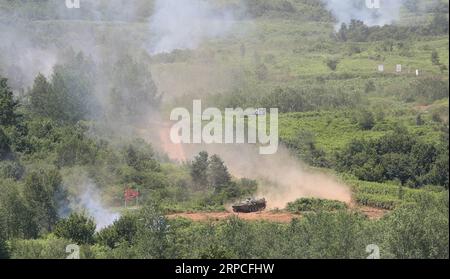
390,196
334,130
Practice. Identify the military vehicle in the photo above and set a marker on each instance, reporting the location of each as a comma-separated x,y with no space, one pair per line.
250,205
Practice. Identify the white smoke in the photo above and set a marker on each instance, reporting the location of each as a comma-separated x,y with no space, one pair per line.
89,201
20,60
371,12
185,24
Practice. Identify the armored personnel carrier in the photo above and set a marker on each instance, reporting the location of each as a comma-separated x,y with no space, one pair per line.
250,205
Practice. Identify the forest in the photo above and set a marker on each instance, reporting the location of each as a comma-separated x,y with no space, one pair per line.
85,99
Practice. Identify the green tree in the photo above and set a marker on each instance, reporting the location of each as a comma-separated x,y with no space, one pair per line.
140,156
419,120
69,96
397,166
342,34
121,231
108,237
305,145
439,25
8,106
238,236
43,101
44,194
199,169
420,230
133,90
77,227
5,148
370,86
366,120
16,216
219,177
435,58
4,254
332,63
331,235
262,72
153,234
439,173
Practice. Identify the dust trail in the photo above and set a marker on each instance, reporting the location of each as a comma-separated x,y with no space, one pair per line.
282,178
157,133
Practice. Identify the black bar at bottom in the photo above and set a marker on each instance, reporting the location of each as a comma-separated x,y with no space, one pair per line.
220,268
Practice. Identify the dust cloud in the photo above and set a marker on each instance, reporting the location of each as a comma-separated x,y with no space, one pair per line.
281,177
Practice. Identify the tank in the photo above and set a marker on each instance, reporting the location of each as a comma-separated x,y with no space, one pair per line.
250,205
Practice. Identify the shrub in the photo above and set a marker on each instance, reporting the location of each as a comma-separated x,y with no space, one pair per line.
378,201
313,204
77,227
51,248
366,120
332,63
120,232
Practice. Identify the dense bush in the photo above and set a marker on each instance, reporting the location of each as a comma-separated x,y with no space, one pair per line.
396,156
77,227
49,248
312,204
377,201
122,231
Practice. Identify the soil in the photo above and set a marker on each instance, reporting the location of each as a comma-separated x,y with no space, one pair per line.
279,217
271,216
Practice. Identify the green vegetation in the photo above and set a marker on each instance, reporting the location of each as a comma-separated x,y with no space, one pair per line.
77,129
319,235
77,228
306,205
389,196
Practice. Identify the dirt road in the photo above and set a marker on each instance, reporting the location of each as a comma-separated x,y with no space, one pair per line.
278,217
282,217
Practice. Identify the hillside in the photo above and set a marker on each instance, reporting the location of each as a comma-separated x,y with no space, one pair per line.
86,154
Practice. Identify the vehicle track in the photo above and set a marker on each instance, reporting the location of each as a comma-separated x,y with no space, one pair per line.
271,216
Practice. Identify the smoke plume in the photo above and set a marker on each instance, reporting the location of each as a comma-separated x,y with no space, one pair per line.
346,10
86,197
185,24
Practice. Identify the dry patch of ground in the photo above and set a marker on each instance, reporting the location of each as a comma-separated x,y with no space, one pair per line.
279,217
271,216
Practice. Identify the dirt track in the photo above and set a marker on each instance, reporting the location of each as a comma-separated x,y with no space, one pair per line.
282,217
279,217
